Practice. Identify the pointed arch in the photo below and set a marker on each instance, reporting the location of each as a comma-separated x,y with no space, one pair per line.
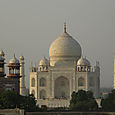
81,81
42,94
43,82
62,87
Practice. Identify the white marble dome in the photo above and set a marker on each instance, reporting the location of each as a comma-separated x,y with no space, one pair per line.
44,61
83,62
14,60
64,46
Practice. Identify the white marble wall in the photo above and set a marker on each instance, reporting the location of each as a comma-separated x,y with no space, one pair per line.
72,76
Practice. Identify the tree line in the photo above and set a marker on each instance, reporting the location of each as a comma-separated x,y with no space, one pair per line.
80,101
84,101
11,100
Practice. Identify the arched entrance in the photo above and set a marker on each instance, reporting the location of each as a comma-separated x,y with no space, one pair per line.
42,94
81,82
43,82
62,89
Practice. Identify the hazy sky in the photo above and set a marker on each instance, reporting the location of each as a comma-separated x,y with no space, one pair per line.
28,27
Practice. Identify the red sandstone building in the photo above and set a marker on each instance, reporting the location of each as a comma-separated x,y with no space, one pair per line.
12,81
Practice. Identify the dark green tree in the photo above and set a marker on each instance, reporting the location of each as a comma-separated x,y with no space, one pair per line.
28,103
10,100
83,101
108,104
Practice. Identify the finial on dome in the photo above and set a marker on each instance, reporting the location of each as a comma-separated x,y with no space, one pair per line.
65,27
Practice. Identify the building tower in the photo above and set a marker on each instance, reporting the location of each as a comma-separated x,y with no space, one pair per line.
22,79
83,69
2,70
34,80
14,71
97,80
114,74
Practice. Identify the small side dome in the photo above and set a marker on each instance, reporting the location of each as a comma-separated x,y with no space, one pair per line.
21,57
2,53
44,61
83,62
14,60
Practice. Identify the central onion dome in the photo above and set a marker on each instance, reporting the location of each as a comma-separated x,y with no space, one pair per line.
65,46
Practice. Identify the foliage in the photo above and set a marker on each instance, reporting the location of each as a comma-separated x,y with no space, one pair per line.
108,104
10,100
83,101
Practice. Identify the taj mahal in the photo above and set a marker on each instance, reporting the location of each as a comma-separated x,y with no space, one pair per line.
66,70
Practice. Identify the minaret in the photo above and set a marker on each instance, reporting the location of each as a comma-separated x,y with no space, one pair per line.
97,73
114,74
22,79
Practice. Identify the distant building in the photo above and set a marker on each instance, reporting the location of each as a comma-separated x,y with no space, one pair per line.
65,71
2,62
105,91
16,74
114,74
105,95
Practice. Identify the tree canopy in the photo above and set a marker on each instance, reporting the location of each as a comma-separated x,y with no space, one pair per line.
83,101
108,104
10,100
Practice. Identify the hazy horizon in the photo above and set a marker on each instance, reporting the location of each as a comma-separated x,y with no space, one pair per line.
29,27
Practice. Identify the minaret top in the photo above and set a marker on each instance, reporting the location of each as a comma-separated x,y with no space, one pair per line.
2,53
65,27
21,57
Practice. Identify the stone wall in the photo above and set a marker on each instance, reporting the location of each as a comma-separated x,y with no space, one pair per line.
11,112
70,113
53,103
